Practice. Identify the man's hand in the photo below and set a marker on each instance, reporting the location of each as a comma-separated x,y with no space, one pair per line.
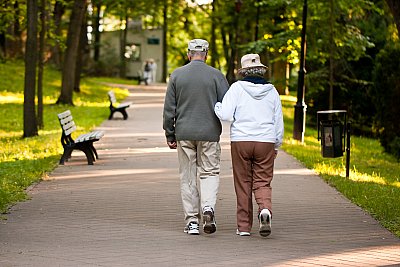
172,145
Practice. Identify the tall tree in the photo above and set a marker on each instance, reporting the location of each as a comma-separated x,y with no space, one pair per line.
58,12
71,54
232,47
96,29
332,48
42,45
213,41
82,52
30,125
165,41
122,45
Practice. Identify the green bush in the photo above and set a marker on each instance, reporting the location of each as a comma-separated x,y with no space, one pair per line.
386,95
394,147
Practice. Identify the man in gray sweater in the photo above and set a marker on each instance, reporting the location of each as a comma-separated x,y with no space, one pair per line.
192,128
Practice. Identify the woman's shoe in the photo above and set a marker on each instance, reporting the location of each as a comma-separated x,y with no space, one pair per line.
242,233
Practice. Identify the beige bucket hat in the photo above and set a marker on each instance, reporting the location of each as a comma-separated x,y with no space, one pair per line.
251,61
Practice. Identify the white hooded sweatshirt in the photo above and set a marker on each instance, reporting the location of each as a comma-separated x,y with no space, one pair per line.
255,111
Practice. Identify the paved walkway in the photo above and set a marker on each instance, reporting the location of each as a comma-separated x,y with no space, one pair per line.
125,210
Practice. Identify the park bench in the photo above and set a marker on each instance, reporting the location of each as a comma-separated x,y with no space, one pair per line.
83,142
114,107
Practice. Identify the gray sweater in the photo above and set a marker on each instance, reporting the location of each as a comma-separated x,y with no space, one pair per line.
189,103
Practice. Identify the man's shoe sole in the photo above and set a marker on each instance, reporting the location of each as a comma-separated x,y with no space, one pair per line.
193,232
209,226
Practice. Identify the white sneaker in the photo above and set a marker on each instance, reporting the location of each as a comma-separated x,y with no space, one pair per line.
242,233
265,222
192,228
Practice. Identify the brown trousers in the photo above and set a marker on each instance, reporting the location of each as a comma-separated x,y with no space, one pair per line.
253,169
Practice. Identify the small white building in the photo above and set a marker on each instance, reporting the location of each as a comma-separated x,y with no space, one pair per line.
141,45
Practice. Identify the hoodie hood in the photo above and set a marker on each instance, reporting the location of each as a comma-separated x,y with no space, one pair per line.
257,91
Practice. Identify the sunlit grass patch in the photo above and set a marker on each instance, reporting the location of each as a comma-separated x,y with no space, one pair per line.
288,99
11,98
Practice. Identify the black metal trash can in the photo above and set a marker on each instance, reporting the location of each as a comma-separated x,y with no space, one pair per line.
331,138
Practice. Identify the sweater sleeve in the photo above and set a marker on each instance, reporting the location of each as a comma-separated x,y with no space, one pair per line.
226,109
279,126
222,88
169,113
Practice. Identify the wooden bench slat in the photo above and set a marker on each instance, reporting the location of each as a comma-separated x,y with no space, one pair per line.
111,95
64,114
70,130
65,120
125,104
68,125
90,136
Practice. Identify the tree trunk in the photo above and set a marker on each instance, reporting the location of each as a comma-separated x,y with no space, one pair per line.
42,44
2,46
122,39
96,32
81,51
232,52
214,53
228,53
394,6
233,47
165,44
30,126
56,55
71,54
331,53
279,75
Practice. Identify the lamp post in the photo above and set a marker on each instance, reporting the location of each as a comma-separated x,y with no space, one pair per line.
300,107
257,21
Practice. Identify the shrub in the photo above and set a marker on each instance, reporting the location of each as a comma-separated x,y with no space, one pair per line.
386,94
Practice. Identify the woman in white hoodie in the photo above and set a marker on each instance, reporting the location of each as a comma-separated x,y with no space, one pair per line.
254,107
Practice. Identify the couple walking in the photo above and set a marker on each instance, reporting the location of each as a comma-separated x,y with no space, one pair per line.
197,99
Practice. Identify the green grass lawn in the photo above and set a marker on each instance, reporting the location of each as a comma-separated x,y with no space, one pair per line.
374,182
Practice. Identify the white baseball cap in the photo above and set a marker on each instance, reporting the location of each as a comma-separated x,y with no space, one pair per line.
198,45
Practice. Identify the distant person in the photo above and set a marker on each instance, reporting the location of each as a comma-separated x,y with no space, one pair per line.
192,127
254,107
153,70
147,72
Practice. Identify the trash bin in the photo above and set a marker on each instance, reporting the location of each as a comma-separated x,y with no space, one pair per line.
331,138
334,133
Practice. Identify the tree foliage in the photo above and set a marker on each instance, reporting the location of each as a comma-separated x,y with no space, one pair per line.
386,94
343,41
